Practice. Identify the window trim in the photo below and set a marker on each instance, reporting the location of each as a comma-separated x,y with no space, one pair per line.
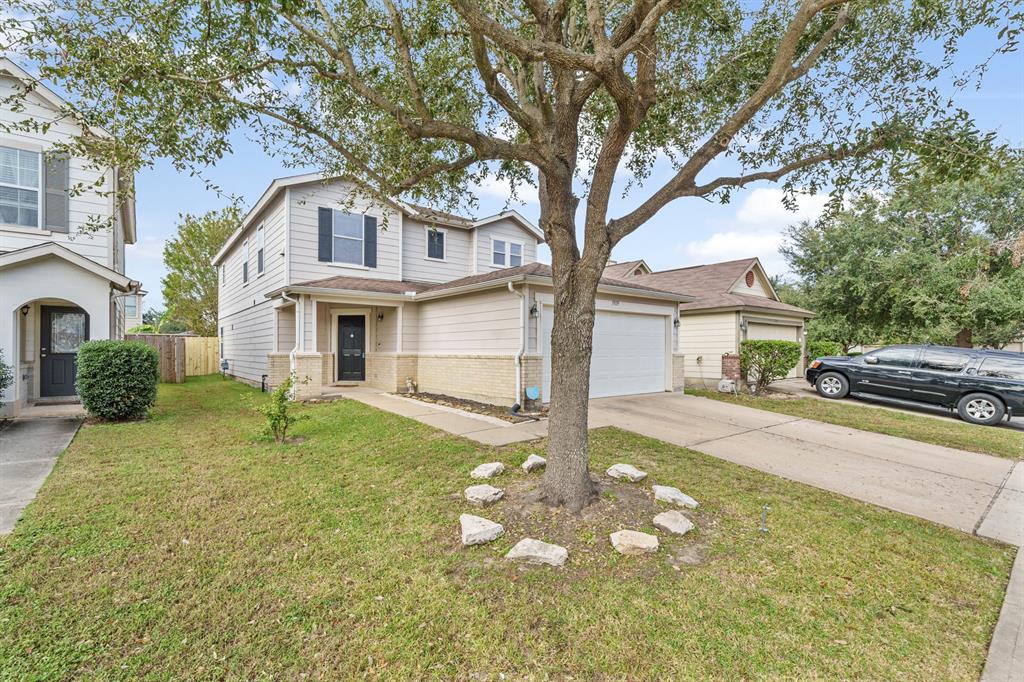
427,229
245,262
508,252
135,300
362,242
40,168
261,264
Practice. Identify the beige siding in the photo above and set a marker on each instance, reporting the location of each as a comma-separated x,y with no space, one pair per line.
97,246
485,323
418,268
508,230
707,336
760,287
304,245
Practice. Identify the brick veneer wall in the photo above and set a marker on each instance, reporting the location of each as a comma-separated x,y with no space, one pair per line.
487,378
731,367
278,366
309,378
678,372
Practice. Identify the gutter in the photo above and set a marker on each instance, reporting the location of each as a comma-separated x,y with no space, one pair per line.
522,346
295,348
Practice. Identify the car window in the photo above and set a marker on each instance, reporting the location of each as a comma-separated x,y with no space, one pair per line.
1002,368
895,357
944,360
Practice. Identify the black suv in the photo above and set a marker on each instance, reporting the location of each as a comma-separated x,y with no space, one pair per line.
983,386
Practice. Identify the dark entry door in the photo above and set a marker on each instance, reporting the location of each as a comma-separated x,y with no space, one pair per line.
62,331
351,347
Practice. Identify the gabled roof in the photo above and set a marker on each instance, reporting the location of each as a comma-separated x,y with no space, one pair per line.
423,213
626,269
531,272
712,285
55,250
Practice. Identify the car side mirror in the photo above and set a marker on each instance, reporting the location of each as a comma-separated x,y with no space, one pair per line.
871,360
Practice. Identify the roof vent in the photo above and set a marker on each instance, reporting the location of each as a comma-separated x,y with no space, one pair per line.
750,278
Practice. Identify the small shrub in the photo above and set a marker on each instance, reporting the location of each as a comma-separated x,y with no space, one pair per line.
763,362
821,349
276,410
6,377
117,379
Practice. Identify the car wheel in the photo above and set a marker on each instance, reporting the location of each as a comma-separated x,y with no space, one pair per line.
832,385
981,408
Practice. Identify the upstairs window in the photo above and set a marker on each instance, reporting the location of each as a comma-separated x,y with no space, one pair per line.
435,243
19,187
506,254
259,250
348,238
245,262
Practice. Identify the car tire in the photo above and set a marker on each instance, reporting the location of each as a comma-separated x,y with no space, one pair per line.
832,385
981,408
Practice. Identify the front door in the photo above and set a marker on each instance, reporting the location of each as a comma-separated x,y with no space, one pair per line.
351,348
62,331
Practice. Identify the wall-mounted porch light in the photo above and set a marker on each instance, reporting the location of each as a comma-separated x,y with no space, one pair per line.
380,317
24,310
534,311
675,323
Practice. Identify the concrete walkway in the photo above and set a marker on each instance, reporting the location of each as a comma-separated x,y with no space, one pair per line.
28,451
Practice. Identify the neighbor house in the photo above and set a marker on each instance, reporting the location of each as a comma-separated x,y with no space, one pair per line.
133,310
340,290
733,301
60,283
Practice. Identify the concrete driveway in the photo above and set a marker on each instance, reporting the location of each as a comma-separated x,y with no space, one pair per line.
974,493
28,451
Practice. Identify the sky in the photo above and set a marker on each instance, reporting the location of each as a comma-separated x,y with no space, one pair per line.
687,232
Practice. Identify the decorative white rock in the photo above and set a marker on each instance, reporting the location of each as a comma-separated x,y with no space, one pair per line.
626,471
674,522
487,470
534,462
537,552
483,495
673,496
633,542
477,530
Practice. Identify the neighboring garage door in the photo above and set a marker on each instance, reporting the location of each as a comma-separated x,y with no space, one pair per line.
760,331
629,354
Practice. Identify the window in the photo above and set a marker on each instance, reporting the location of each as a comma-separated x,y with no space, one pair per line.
1002,368
944,360
435,243
515,254
245,262
895,357
498,252
259,250
347,238
19,187
131,306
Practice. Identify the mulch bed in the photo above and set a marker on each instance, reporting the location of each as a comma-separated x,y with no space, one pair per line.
474,406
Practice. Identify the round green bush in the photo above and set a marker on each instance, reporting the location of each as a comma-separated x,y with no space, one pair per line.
117,379
823,349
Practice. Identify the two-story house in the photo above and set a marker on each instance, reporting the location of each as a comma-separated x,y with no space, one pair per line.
60,284
339,290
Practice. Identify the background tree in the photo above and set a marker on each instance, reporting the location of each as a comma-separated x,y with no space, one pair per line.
190,286
936,262
425,98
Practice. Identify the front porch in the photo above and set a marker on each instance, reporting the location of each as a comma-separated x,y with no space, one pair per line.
339,341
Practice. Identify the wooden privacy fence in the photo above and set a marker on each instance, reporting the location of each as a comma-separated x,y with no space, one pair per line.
182,356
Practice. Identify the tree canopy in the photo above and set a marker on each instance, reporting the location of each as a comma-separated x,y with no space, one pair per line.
190,285
936,262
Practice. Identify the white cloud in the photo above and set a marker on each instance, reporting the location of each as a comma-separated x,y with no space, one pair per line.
500,188
755,230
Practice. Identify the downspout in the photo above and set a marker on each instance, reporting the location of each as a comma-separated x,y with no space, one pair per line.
295,347
522,346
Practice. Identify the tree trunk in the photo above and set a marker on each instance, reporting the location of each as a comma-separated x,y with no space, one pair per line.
964,339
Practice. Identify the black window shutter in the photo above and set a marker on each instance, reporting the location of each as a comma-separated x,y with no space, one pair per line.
369,241
55,193
325,252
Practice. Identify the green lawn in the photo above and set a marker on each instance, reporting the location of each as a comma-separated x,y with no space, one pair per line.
180,548
949,432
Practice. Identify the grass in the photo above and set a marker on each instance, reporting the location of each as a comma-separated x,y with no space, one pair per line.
948,432
180,548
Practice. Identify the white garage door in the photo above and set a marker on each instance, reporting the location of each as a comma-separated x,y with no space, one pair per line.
759,331
629,354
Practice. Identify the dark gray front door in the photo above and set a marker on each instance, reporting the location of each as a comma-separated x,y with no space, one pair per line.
351,347
62,331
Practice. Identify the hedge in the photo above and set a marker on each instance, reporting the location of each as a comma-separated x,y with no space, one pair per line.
821,349
763,362
117,379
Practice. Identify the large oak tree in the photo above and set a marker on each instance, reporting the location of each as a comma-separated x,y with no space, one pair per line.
424,98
